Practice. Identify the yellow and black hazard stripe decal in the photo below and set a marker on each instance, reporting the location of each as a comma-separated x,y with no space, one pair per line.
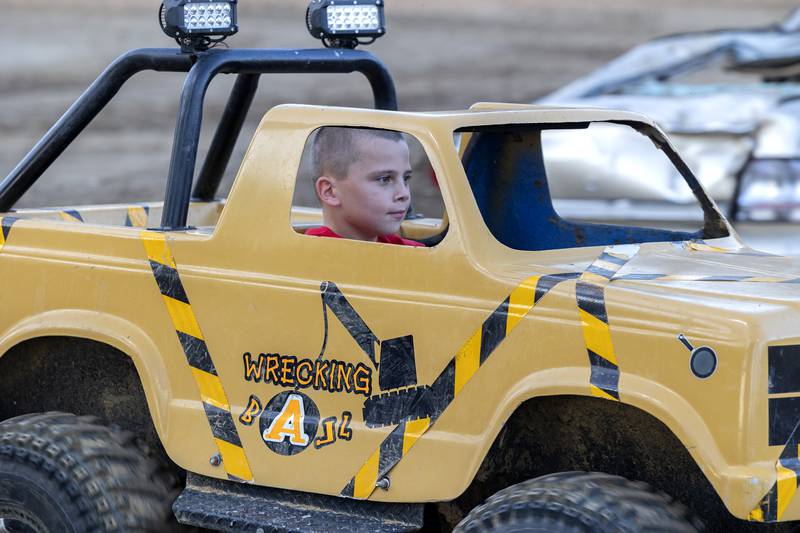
784,430
590,294
215,402
5,226
388,454
420,410
787,470
70,215
428,401
136,216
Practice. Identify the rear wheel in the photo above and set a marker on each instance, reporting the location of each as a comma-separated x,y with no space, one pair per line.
64,473
579,502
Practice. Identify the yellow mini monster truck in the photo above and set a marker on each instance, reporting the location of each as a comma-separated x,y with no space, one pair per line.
201,361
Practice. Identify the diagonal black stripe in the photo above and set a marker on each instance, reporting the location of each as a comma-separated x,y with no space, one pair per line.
601,271
442,390
169,282
614,393
74,214
607,257
391,450
222,426
547,283
604,374
769,505
349,489
601,362
7,223
129,222
197,353
493,330
591,298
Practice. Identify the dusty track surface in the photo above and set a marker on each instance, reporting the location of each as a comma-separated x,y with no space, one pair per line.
443,54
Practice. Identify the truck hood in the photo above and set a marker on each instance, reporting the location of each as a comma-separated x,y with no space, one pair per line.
691,267
698,261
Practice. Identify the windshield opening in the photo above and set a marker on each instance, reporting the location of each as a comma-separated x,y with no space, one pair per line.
551,186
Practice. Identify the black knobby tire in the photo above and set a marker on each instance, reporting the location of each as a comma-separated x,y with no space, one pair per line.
64,473
584,502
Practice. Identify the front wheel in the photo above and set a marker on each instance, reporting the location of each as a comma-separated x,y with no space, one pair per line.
579,502
64,473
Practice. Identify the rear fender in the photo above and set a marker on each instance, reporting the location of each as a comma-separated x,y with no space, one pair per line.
113,331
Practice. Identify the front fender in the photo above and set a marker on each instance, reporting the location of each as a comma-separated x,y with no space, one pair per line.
445,463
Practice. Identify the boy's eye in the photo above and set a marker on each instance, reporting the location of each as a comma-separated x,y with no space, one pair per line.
407,178
384,179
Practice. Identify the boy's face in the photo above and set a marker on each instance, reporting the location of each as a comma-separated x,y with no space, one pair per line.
374,197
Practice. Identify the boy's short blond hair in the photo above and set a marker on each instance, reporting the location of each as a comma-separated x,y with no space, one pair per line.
335,148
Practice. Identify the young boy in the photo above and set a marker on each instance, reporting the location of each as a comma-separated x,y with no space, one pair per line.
362,182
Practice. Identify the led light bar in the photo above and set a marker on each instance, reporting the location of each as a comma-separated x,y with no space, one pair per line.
346,22
193,20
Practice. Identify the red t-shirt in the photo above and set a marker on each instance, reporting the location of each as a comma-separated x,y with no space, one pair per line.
324,231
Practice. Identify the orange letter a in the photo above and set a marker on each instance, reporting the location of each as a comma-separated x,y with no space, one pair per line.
289,423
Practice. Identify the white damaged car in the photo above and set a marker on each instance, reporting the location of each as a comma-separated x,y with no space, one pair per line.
730,101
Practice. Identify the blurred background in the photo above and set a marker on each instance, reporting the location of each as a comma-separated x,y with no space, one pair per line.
443,54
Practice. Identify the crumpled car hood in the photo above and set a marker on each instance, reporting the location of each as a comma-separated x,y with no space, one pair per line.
717,127
675,54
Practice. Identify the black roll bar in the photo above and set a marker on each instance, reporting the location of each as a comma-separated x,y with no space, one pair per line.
249,64
228,130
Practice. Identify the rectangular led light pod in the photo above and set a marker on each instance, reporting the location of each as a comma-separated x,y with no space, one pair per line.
346,19
199,17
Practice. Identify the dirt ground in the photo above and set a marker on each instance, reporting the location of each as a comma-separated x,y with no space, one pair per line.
443,54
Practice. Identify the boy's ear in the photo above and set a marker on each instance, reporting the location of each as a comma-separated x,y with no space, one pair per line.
326,191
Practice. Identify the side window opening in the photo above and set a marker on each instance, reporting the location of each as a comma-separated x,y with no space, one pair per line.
561,186
424,222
